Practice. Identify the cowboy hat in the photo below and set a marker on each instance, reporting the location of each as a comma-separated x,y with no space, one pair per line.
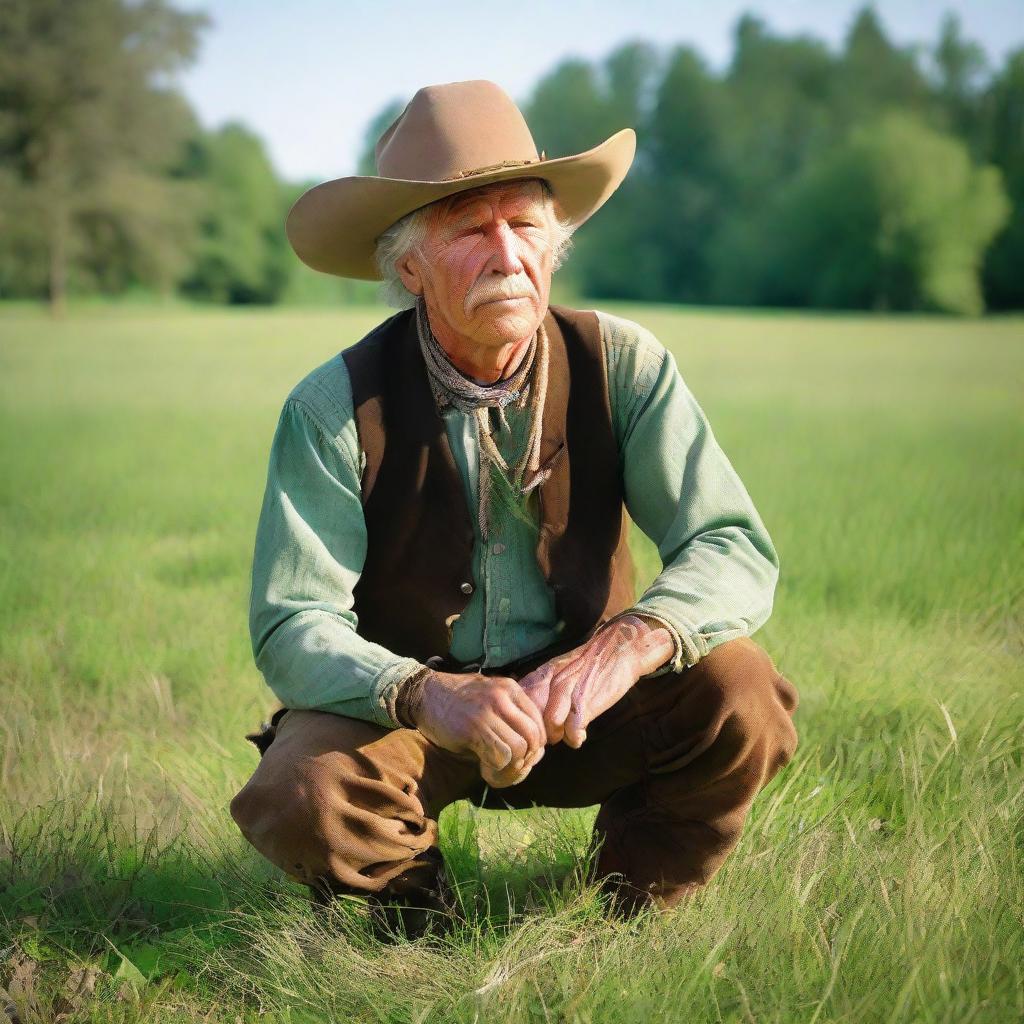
449,138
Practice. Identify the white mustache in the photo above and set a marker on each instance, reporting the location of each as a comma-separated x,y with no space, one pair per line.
504,293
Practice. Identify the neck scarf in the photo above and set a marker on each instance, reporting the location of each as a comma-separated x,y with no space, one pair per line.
526,386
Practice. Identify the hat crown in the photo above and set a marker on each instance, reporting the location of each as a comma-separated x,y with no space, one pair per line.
446,131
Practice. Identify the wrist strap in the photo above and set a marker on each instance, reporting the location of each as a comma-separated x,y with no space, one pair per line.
409,696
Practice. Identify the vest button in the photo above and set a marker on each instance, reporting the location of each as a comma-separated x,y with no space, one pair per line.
466,588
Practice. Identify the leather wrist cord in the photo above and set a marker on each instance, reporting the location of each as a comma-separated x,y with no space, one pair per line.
409,697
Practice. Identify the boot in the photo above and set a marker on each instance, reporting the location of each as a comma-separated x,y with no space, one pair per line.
416,913
420,902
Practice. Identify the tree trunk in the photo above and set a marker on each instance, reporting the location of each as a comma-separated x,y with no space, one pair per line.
58,261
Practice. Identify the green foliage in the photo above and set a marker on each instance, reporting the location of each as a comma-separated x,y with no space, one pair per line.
572,109
781,108
241,254
87,137
688,184
961,68
1004,279
897,217
872,74
802,177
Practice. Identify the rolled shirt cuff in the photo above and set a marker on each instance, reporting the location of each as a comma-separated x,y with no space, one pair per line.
386,691
408,694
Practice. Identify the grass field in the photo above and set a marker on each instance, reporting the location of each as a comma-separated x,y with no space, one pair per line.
880,875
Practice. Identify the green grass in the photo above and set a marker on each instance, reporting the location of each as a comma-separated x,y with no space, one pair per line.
880,875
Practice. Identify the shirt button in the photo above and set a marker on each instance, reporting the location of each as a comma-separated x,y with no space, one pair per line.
466,588
497,548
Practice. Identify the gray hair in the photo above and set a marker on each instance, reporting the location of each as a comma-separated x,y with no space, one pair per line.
410,231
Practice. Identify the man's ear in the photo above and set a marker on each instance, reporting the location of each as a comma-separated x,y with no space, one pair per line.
408,271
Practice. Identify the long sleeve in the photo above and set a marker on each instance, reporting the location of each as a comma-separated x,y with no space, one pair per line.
309,553
719,566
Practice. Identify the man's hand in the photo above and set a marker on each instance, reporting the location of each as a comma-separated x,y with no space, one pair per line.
572,689
489,716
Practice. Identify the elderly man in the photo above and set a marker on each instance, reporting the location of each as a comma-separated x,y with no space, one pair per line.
443,596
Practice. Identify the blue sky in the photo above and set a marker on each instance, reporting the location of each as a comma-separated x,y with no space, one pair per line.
308,75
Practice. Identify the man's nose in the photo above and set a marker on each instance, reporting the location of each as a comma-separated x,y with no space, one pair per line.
506,254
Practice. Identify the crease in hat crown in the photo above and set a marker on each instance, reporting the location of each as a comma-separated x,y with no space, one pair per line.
428,141
449,138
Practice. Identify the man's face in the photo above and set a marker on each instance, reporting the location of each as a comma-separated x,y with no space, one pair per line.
485,266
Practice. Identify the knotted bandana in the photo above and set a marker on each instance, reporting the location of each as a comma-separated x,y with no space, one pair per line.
526,386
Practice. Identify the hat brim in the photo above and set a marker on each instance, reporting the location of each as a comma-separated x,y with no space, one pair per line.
333,227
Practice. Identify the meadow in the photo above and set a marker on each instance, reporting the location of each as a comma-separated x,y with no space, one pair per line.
879,877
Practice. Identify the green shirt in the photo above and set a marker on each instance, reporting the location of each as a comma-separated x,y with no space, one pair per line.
719,566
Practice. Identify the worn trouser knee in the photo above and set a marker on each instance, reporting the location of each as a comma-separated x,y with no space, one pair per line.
726,733
733,720
330,814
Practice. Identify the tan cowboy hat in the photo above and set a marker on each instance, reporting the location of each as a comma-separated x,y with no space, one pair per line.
449,138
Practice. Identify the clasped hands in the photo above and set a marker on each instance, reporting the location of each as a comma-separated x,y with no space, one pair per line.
507,724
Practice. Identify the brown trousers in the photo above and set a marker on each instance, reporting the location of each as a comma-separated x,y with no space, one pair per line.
674,766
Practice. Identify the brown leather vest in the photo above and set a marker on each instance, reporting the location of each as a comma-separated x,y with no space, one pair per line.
418,565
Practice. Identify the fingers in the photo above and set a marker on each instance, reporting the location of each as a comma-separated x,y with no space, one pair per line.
513,741
525,731
509,730
518,721
527,717
575,727
515,773
553,702
568,688
492,750
499,780
504,734
535,688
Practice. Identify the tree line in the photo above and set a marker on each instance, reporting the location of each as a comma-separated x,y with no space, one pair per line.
870,176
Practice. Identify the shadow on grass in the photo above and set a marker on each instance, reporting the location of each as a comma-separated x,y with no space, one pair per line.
80,884
85,888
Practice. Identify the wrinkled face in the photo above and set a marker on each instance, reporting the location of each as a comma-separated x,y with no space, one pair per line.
485,266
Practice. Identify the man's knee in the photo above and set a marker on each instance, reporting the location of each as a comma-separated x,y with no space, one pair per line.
341,805
283,820
754,703
732,710
253,810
